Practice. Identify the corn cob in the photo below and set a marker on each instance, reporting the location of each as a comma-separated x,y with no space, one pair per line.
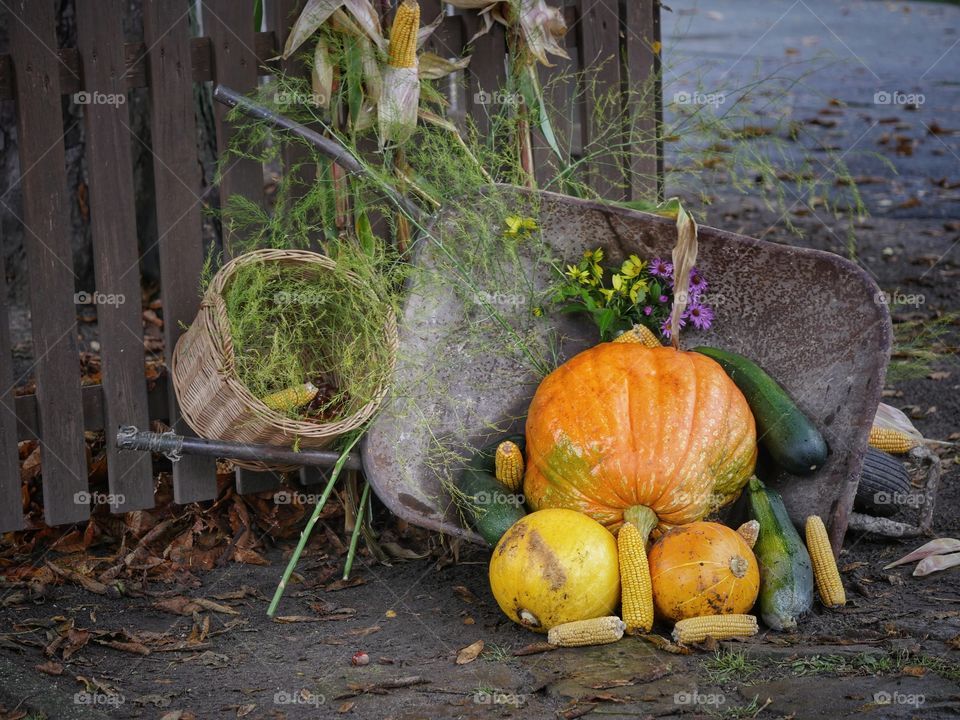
639,334
403,35
635,585
891,441
749,531
597,631
509,465
292,397
829,585
719,627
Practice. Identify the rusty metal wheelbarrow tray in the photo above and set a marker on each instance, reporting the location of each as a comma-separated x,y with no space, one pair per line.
811,319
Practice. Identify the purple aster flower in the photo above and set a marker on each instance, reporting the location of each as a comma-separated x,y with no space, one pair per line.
647,310
698,283
700,315
663,299
665,326
661,268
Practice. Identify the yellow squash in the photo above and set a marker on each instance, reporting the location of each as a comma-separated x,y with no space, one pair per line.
553,567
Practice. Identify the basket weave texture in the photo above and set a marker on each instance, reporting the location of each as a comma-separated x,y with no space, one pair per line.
213,400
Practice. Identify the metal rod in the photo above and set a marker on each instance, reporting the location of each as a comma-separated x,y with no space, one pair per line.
173,446
333,149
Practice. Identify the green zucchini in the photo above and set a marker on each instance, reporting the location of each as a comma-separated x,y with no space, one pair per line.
786,573
492,508
790,437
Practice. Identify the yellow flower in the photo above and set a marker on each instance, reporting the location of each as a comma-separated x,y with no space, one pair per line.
520,227
637,287
617,282
607,294
632,266
538,311
578,274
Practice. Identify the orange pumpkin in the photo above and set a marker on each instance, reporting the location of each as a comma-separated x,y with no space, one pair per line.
656,435
703,568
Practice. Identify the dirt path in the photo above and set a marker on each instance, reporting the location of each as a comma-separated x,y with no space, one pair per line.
898,640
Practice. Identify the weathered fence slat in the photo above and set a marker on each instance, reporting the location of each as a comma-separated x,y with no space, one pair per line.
598,32
641,60
230,27
116,258
486,73
47,239
166,30
11,505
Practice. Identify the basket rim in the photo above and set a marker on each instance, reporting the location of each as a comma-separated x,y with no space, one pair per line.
211,319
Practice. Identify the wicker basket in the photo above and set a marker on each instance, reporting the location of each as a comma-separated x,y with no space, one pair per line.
217,405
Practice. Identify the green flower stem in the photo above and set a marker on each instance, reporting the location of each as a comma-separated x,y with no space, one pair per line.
357,524
305,534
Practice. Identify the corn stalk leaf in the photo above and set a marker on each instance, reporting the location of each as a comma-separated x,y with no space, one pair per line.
668,208
321,74
425,31
369,20
354,77
546,128
315,14
434,67
684,257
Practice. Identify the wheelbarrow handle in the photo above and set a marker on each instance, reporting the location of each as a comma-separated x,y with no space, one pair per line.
330,147
174,446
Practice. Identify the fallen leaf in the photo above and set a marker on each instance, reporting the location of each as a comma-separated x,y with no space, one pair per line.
297,618
534,648
469,653
464,593
346,707
50,668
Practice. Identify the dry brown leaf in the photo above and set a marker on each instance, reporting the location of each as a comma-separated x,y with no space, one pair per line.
469,653
50,668
684,258
464,593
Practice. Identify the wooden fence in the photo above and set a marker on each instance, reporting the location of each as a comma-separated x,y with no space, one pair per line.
617,38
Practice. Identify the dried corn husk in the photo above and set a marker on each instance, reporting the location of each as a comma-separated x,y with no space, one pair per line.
321,75
541,25
939,546
684,257
317,12
936,563
397,109
434,67
890,418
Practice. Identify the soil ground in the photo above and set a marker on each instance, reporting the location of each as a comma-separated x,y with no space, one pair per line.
892,652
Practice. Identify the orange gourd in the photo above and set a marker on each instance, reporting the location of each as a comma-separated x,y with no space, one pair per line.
703,568
656,436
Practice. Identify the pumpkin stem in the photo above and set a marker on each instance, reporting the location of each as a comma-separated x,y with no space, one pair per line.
643,517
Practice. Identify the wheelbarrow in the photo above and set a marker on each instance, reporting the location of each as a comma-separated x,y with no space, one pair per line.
813,320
